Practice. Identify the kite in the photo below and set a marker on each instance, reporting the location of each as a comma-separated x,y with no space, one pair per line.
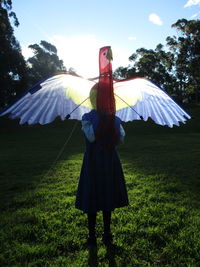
70,96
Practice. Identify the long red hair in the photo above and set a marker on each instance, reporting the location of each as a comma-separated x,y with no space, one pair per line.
106,133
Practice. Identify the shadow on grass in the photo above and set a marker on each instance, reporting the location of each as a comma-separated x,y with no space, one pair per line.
28,152
110,256
172,158
161,166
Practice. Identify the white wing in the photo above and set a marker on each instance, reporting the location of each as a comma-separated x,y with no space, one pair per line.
53,97
140,97
61,94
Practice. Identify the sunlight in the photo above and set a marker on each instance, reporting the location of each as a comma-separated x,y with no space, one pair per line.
27,52
81,52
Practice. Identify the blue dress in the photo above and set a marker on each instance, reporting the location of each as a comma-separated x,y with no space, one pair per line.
101,184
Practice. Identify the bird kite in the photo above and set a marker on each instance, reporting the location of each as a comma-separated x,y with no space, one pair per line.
71,96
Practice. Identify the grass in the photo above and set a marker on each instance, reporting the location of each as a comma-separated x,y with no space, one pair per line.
41,227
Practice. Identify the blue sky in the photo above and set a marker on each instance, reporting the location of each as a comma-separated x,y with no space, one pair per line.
78,28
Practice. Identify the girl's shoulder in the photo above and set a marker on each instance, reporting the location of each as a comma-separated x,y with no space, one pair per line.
90,116
117,121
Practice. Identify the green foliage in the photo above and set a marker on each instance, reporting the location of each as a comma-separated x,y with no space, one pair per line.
15,74
39,225
124,73
154,65
12,64
177,70
45,62
187,56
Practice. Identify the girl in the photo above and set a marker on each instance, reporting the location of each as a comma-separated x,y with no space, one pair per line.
101,185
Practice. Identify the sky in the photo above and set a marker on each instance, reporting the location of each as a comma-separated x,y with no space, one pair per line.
78,28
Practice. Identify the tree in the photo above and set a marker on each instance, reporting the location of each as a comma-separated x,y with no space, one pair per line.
45,62
12,64
177,70
155,65
125,73
186,49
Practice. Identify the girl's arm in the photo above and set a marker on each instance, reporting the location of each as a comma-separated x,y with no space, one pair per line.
122,134
87,128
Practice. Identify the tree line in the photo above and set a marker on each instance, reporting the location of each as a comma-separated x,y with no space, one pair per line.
16,73
176,69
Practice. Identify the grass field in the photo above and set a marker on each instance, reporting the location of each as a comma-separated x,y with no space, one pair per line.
39,225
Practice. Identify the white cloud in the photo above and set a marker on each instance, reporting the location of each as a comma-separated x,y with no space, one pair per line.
154,18
192,3
195,15
131,38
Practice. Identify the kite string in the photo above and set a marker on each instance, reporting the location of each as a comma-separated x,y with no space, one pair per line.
59,154
130,107
54,162
62,149
68,115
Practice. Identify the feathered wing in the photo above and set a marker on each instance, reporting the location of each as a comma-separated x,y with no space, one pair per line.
60,94
53,97
147,100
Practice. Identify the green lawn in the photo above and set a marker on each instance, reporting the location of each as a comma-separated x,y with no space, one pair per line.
39,225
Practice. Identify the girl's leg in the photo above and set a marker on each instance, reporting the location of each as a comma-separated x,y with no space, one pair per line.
106,221
91,241
92,224
107,236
